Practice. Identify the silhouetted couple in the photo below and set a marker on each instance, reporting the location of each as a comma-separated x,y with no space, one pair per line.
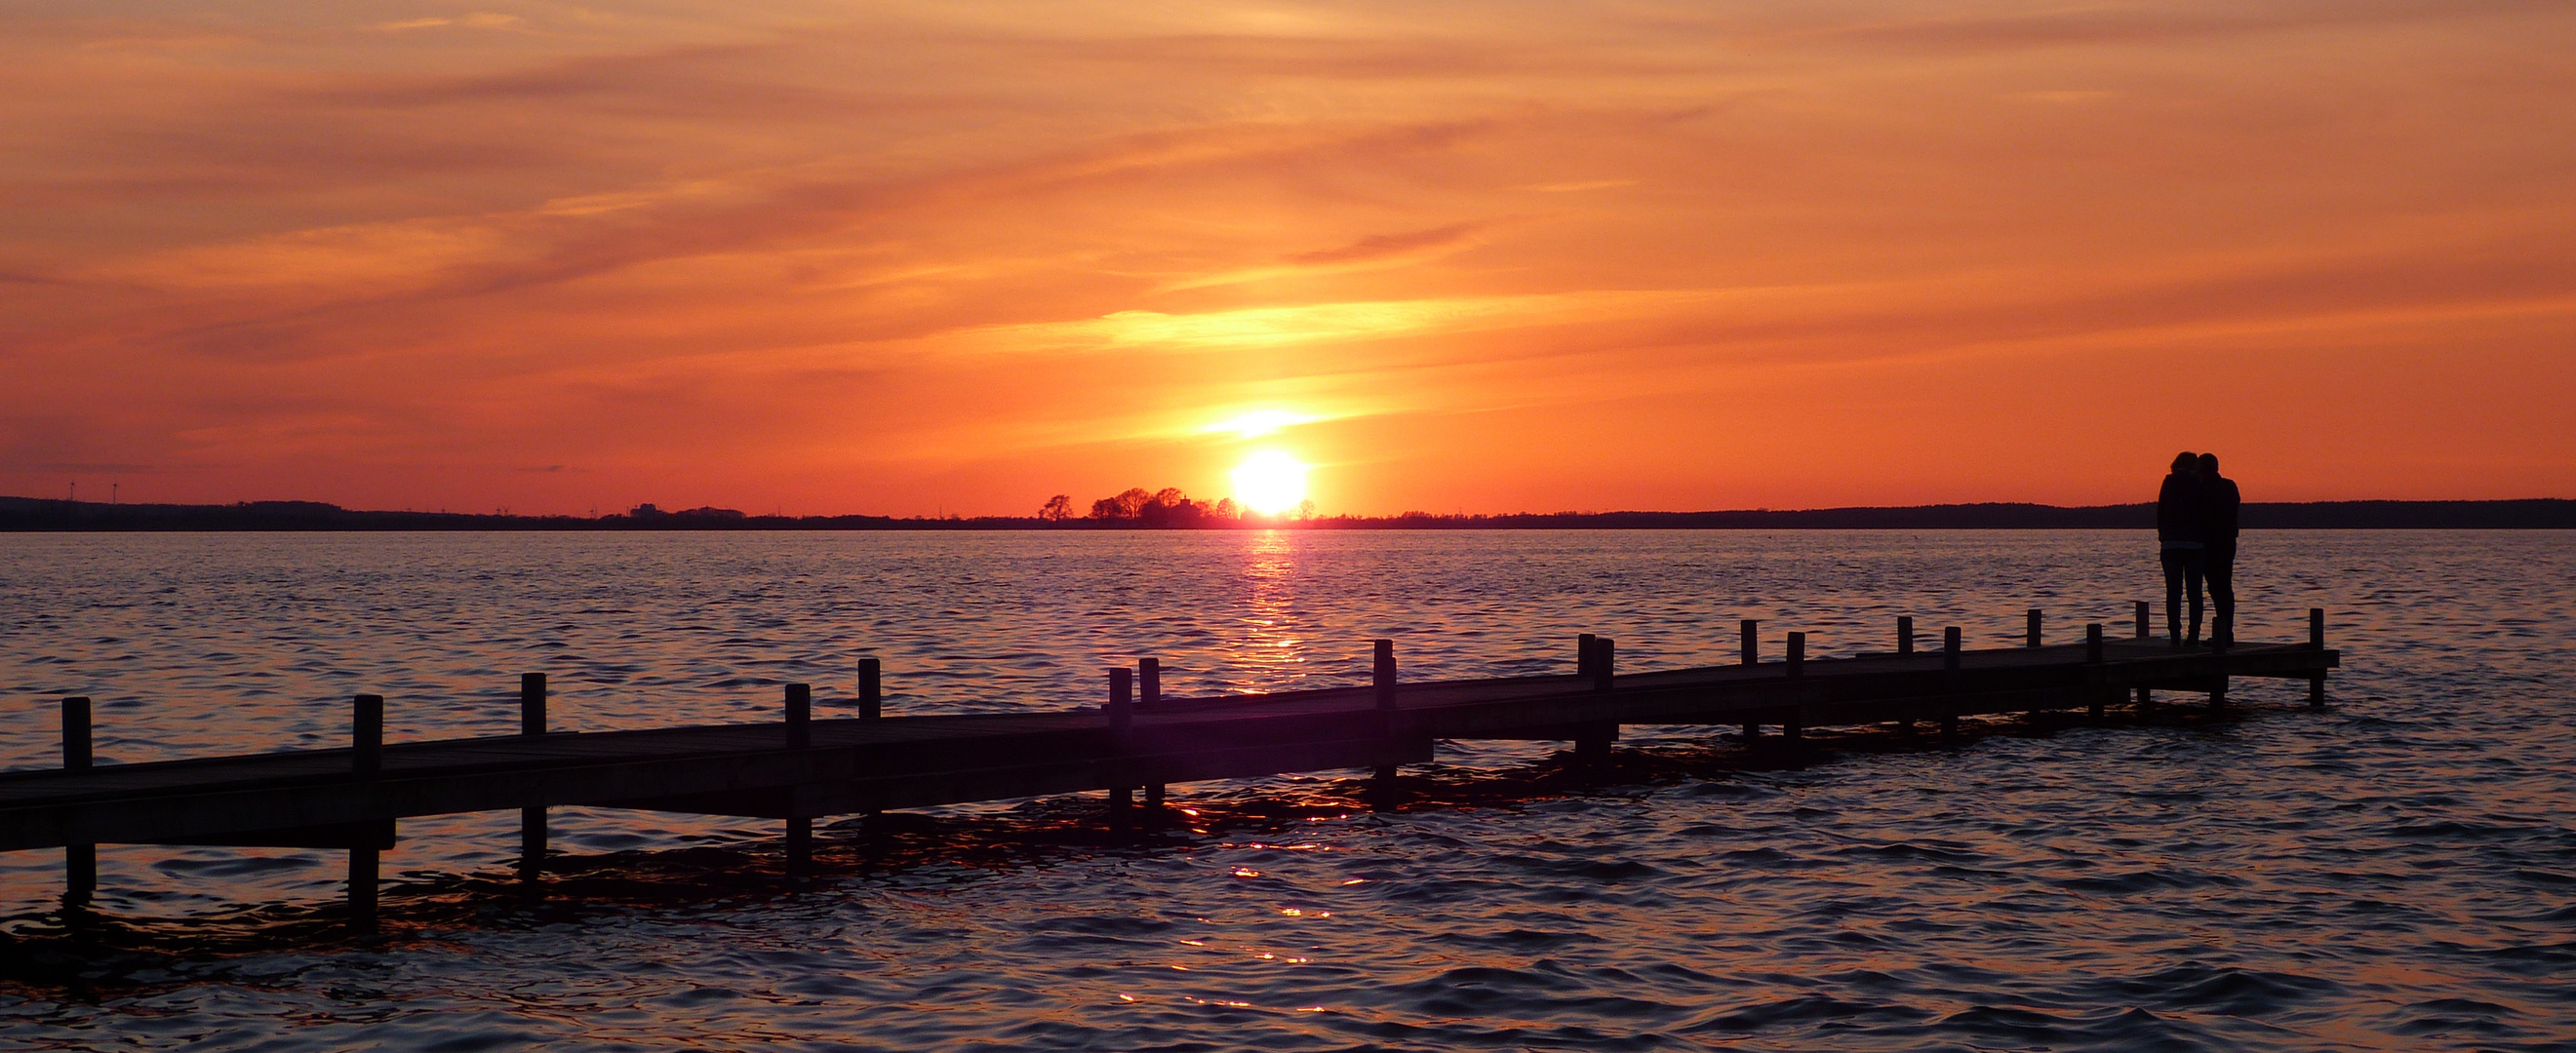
2196,524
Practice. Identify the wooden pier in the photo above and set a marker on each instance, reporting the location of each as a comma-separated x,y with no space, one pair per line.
798,769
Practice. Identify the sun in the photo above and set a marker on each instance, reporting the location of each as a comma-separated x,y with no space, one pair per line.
1270,482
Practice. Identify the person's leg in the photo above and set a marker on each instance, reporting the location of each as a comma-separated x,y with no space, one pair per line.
2221,573
2173,562
2192,565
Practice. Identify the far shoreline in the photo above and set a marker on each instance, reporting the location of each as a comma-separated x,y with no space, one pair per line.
40,515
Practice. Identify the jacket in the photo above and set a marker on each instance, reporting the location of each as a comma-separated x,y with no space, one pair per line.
2219,501
2178,515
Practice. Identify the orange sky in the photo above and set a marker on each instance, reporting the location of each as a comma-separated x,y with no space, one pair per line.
897,258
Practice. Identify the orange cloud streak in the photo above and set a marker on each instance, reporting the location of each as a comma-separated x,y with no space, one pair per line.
963,257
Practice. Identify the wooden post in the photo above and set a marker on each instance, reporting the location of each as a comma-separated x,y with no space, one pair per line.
532,818
1905,634
1791,730
2146,699
800,844
871,692
2032,627
2144,609
80,862
1752,734
1122,722
362,887
1592,741
2218,694
2317,642
367,738
1750,630
1950,671
800,716
532,703
1797,654
2093,656
1583,654
1382,673
1382,677
1149,678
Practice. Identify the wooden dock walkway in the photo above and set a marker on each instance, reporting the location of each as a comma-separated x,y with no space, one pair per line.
798,769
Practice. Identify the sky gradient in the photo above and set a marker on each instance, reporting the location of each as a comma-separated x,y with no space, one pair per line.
957,257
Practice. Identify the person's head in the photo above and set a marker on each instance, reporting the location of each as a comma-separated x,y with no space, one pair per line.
2209,464
2186,462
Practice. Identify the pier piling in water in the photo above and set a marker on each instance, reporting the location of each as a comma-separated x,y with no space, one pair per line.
1382,688
2093,656
1122,727
800,716
1950,675
367,736
80,861
532,819
1149,687
2316,642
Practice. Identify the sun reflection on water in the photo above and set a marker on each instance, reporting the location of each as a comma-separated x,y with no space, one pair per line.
1271,644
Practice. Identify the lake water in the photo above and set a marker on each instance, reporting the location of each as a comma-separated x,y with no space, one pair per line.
2397,871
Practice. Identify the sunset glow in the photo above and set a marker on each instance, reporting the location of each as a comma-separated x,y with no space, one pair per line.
1270,482
911,258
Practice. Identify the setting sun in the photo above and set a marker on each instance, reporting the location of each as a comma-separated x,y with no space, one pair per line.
1270,482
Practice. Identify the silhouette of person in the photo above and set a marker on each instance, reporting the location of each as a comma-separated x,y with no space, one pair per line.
2178,532
2219,500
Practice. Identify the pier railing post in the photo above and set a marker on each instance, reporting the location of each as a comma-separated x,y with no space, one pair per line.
1382,678
1593,738
1149,682
1750,630
2031,628
2093,656
532,703
2317,642
800,716
1382,672
1122,724
2145,615
366,761
1797,654
1904,634
1950,674
532,818
367,736
80,862
1583,655
871,690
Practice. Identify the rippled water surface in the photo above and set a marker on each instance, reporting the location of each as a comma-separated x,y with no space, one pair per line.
2395,872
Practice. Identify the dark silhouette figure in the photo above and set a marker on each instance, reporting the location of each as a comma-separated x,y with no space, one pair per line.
2179,524
2219,500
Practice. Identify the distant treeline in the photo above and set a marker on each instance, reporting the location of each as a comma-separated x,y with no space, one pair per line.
37,514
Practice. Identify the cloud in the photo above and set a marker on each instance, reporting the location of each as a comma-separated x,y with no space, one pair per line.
1382,246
